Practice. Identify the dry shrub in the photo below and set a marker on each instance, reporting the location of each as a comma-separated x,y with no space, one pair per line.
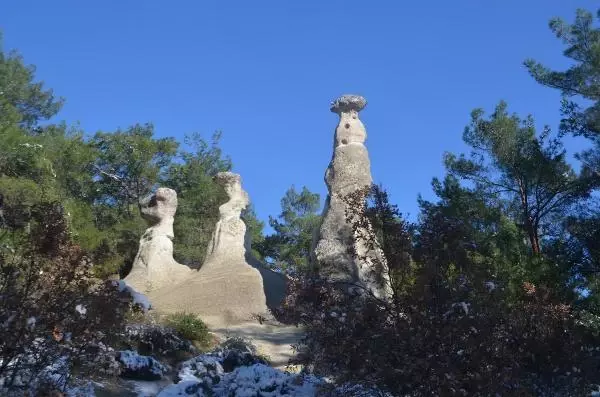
52,308
472,343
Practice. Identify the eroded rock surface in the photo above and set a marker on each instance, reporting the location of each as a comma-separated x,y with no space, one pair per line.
154,266
227,242
274,284
227,290
349,172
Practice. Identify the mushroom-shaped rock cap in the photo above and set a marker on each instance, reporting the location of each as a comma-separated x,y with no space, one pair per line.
347,103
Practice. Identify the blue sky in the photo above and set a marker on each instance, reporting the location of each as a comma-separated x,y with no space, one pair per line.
264,73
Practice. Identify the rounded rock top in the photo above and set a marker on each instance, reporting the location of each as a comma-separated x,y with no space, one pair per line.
347,103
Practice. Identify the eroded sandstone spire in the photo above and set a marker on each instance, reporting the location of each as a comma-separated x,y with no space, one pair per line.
349,172
227,289
154,266
227,242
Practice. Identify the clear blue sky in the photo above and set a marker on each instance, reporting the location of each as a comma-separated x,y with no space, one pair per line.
264,72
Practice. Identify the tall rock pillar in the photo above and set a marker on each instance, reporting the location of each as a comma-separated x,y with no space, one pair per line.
349,172
227,242
154,266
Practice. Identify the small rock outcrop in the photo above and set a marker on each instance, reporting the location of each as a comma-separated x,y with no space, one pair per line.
349,172
154,266
207,375
226,290
136,366
155,340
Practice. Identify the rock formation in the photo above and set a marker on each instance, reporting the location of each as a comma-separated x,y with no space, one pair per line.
154,266
228,289
227,242
349,172
275,284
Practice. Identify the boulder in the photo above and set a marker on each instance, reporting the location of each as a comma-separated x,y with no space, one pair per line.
210,368
136,366
208,379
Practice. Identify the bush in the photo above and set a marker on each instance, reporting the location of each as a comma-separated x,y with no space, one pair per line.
55,315
157,340
457,347
240,351
191,327
459,339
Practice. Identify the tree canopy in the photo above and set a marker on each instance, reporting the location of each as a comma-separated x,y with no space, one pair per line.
288,247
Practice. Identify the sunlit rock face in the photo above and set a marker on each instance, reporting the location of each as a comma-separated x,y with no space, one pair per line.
349,172
227,242
227,289
154,266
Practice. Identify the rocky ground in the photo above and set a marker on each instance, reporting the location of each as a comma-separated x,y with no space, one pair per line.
234,368
153,361
271,339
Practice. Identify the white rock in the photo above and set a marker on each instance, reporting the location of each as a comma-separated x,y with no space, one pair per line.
226,290
154,266
81,309
349,172
250,381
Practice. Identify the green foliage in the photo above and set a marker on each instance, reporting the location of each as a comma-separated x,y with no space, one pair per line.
101,179
463,234
394,237
456,326
288,248
23,101
52,307
254,230
580,87
199,197
72,158
523,171
189,326
513,233
579,84
130,164
582,40
20,191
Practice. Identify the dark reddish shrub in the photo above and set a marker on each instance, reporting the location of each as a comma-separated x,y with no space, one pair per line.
52,308
459,338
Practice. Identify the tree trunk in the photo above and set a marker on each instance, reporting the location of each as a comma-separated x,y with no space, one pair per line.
530,226
534,239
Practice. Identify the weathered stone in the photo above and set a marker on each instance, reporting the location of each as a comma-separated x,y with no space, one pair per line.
349,172
136,366
274,284
227,289
155,340
154,266
227,242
